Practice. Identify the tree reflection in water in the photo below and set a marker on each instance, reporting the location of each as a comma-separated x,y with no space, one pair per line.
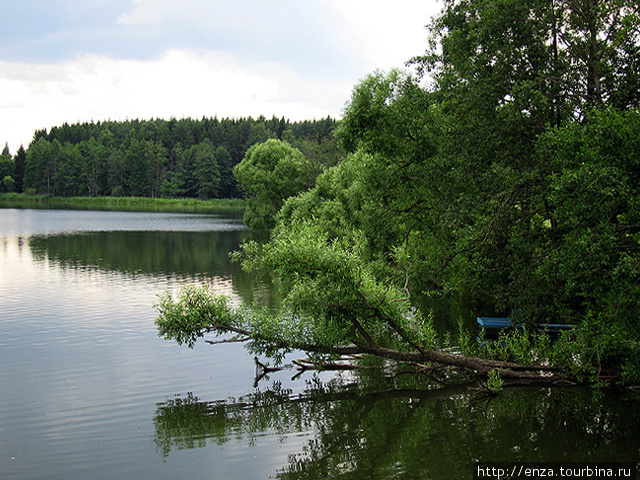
409,431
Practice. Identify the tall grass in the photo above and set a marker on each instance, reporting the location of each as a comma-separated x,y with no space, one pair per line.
120,203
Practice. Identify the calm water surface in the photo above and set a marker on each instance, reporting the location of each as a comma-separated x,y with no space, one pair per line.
88,390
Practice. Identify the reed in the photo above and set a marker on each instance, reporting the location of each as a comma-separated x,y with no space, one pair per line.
120,203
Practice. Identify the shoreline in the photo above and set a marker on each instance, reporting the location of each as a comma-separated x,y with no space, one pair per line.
187,205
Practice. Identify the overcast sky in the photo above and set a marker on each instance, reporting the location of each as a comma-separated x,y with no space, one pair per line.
82,60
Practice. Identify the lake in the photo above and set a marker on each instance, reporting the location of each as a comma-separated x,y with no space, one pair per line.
89,391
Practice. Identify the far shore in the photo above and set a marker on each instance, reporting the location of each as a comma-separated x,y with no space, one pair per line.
192,205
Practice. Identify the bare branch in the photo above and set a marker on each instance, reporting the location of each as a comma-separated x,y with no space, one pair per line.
228,340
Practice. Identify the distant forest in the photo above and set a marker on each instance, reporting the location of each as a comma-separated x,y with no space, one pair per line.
154,158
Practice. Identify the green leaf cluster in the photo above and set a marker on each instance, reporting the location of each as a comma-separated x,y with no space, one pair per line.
189,316
272,172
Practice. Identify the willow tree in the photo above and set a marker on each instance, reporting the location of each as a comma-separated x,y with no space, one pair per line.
271,172
345,255
471,183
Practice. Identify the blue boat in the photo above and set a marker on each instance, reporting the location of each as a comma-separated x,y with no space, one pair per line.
492,325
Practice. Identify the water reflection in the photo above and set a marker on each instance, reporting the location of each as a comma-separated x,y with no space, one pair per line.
192,256
153,252
83,372
53,222
408,431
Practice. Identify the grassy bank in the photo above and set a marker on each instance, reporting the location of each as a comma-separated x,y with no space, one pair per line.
192,205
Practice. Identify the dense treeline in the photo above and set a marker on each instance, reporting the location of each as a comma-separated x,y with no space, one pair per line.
154,158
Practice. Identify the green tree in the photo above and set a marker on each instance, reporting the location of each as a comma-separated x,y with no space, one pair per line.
20,161
94,164
7,170
115,173
504,73
548,60
174,180
583,268
207,171
9,183
107,138
258,133
228,184
187,169
170,187
135,166
157,161
158,157
40,166
477,183
271,172
67,178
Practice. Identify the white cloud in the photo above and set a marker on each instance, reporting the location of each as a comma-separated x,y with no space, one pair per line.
180,83
304,33
386,34
162,58
153,11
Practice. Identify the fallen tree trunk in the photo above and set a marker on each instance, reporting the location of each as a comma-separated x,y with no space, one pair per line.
510,371
198,312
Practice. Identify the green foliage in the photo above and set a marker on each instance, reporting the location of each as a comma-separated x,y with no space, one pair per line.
512,177
520,345
193,205
170,158
542,62
330,281
495,382
7,172
581,241
189,316
378,427
383,115
271,172
9,183
331,300
40,166
595,346
207,171
20,160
